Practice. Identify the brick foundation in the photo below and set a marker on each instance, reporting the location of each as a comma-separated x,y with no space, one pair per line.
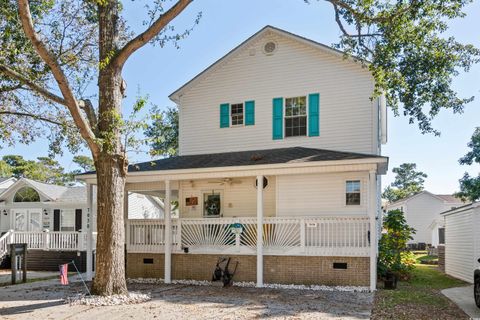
277,269
441,258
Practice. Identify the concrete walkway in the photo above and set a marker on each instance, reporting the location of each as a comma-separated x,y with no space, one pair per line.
6,275
463,297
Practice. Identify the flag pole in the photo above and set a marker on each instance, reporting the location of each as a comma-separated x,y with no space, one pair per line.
81,278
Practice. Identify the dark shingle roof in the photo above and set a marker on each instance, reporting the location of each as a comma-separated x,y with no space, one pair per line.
247,158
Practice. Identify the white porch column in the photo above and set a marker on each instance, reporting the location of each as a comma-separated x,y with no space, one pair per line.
372,212
168,234
90,232
259,231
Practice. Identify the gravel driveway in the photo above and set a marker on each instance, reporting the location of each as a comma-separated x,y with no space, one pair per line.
43,300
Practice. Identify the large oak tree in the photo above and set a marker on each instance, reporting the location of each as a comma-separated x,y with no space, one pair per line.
52,50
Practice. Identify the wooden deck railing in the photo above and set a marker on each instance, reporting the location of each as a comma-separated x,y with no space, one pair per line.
314,236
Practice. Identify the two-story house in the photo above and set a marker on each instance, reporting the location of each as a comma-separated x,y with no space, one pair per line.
279,168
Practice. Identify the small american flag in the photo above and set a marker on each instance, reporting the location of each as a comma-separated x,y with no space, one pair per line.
64,274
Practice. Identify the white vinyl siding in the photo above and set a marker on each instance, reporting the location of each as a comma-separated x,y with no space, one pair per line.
142,207
348,118
462,243
239,199
318,194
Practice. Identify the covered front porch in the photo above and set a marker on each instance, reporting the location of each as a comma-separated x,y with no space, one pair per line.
304,211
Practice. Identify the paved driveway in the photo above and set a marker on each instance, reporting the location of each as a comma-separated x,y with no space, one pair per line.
463,297
43,300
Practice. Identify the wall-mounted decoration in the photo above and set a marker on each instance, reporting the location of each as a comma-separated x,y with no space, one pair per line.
191,201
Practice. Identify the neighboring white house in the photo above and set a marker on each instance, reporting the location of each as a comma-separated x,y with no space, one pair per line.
280,157
56,218
5,183
462,241
422,209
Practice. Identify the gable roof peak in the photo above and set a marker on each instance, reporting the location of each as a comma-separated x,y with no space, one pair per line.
174,96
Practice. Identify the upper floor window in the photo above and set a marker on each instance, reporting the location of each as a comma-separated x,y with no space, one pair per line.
26,194
296,116
237,114
352,192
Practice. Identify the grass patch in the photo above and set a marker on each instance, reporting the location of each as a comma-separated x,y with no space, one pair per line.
424,258
418,298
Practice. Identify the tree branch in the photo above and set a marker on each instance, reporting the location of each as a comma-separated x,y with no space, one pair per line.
35,87
87,106
144,37
361,17
62,81
36,117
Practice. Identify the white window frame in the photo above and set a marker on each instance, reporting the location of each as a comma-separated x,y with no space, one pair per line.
243,114
285,116
346,181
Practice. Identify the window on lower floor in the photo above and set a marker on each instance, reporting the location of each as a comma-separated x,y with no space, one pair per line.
237,114
352,192
296,116
441,235
67,222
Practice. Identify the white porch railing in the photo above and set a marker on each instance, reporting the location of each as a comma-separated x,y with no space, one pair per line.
314,236
4,241
44,240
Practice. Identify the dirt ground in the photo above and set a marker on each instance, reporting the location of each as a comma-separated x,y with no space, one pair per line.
44,300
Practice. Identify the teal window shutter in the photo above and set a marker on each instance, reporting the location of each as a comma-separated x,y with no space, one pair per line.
314,115
249,113
224,115
277,118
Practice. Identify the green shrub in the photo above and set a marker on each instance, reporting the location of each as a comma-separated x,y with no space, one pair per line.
393,256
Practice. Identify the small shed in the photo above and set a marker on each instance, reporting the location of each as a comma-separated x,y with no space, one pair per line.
462,241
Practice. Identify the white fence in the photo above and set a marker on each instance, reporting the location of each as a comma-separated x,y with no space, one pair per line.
56,241
319,236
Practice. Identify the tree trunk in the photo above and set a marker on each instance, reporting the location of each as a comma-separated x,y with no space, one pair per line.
110,258
110,162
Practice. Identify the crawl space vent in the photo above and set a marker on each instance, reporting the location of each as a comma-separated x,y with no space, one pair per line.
339,265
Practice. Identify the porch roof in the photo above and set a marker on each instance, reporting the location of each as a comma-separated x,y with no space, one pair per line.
293,156
248,158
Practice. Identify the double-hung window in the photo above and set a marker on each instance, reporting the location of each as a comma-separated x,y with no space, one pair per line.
237,114
296,116
352,192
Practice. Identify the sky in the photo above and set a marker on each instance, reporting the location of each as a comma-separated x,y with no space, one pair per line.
157,72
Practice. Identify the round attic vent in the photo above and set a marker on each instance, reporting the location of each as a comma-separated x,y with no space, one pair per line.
269,47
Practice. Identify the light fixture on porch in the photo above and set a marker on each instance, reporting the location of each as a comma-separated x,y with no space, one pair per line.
265,183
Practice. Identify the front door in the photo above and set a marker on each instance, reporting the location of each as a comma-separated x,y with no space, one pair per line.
35,216
21,220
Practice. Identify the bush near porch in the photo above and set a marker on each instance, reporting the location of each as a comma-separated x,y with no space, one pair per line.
418,298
